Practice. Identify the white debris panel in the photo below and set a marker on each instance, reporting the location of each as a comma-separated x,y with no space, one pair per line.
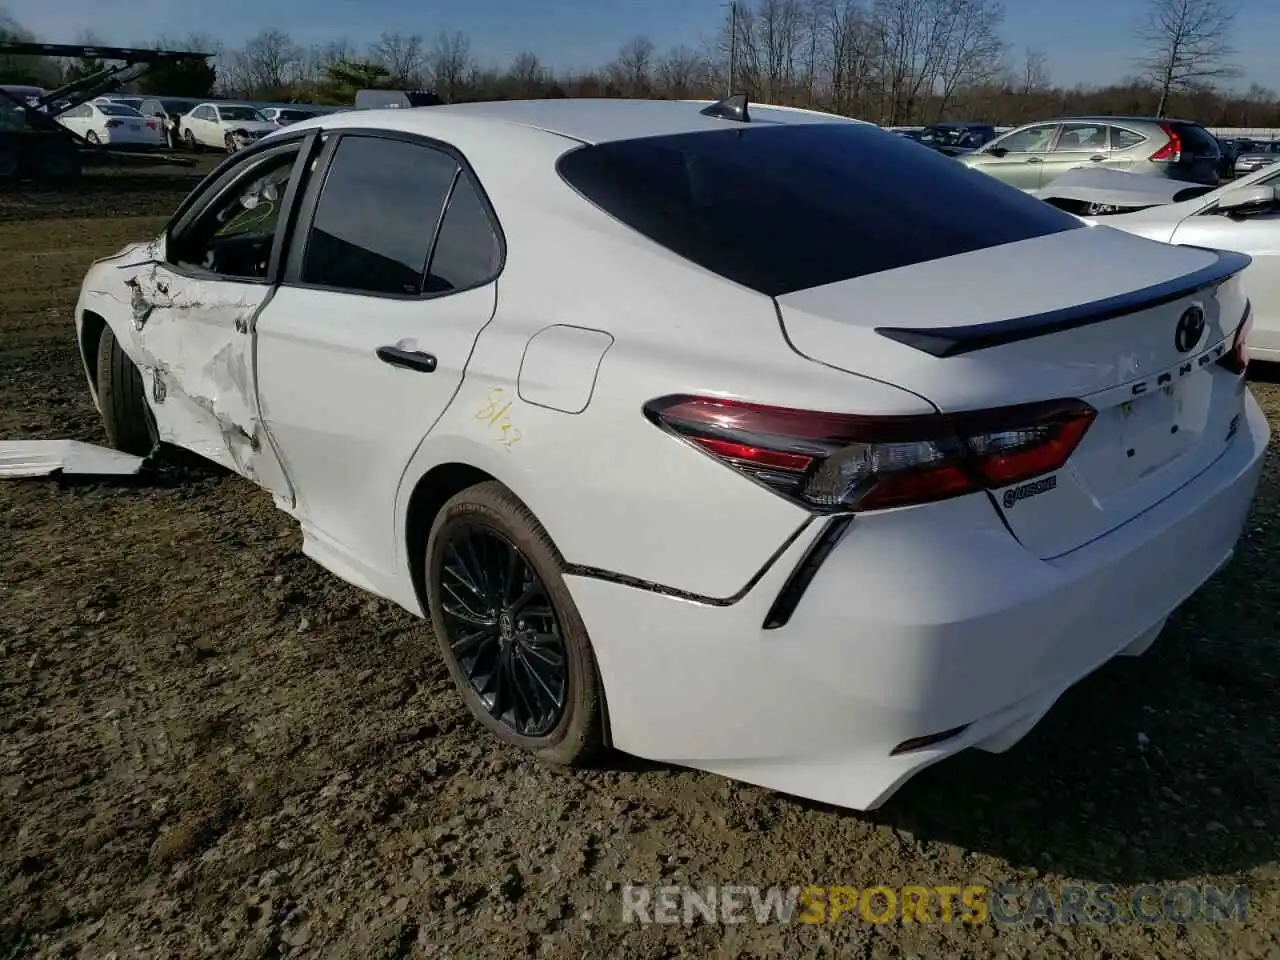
40,458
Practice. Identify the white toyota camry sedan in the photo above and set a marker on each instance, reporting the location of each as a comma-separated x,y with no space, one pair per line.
747,439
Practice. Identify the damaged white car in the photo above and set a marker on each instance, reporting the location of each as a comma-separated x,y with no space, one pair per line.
671,418
1243,216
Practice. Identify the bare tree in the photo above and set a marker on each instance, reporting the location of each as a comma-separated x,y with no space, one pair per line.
632,71
972,52
1033,77
681,72
527,75
1188,44
450,61
269,63
403,57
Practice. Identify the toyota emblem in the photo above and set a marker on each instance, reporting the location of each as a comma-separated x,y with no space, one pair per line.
1190,328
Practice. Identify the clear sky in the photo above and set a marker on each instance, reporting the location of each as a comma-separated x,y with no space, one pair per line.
1086,41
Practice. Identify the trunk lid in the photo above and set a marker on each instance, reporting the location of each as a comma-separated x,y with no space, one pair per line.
1092,314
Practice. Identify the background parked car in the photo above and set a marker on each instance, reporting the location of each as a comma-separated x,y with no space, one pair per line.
1229,149
168,112
112,123
121,98
954,139
1260,155
1243,216
283,116
1033,155
225,126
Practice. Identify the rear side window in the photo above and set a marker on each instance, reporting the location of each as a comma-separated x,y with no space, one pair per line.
1122,139
467,252
781,208
377,216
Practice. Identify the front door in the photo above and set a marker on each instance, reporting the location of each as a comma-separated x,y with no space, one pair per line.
1017,157
193,312
367,340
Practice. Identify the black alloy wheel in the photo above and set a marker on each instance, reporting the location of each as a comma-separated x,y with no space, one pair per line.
503,630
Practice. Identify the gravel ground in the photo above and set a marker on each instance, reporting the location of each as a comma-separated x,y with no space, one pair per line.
210,746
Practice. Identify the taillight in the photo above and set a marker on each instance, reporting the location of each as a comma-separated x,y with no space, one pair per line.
1237,358
1171,151
834,462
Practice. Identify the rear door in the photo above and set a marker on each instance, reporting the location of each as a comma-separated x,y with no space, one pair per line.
1126,145
391,279
1076,145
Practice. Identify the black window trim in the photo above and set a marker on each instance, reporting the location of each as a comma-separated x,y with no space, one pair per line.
292,276
213,188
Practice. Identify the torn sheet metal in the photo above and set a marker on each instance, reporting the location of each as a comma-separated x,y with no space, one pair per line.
194,355
40,458
1117,188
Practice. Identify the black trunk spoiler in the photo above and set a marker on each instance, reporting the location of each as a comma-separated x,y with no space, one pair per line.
952,341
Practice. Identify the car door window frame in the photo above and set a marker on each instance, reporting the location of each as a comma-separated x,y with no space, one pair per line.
229,174
310,203
1055,145
1000,141
1114,128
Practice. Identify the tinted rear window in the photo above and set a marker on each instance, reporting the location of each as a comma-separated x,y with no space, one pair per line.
1197,140
782,208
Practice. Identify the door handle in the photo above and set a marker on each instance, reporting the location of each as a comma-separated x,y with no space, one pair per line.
1097,158
1035,159
410,359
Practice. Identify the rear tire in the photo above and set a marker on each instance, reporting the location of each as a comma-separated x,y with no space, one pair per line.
552,643
92,137
130,424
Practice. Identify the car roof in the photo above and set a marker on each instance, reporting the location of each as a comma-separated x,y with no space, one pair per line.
586,120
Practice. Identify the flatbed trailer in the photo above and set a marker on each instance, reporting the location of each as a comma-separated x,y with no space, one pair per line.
33,145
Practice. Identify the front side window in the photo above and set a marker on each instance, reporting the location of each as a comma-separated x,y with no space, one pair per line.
781,208
234,236
377,216
1031,140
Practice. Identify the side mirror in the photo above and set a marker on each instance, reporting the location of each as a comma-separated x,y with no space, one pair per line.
1246,200
996,151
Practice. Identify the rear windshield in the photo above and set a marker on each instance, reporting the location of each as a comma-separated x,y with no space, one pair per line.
1197,141
781,208
118,110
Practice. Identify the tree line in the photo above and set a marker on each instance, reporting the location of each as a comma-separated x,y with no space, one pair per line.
894,62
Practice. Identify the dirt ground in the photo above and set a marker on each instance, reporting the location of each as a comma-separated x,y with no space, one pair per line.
211,747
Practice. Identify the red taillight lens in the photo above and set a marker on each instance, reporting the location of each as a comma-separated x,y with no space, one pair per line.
1237,359
834,462
1171,151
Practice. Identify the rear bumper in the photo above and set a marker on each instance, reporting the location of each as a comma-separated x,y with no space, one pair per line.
915,624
